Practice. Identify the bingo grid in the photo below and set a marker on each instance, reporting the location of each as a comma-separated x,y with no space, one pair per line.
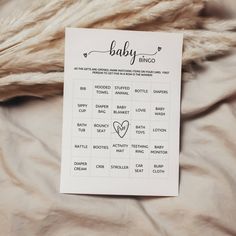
120,128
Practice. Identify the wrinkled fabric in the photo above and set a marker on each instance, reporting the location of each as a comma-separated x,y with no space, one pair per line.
30,147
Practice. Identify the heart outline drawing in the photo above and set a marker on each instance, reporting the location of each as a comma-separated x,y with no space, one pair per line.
121,128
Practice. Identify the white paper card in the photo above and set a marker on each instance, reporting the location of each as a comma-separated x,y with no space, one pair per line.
121,112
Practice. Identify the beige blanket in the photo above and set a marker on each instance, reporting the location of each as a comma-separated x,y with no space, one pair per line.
30,202
30,146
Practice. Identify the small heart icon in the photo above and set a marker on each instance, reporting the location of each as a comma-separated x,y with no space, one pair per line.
121,128
85,54
159,49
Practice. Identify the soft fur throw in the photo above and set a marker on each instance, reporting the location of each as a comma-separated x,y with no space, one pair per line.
32,35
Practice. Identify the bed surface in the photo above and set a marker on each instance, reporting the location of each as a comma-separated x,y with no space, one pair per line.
30,169
30,149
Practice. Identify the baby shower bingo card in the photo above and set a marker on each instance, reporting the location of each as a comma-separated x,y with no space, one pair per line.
121,112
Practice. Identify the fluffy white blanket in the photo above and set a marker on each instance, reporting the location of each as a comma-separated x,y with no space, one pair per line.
32,35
